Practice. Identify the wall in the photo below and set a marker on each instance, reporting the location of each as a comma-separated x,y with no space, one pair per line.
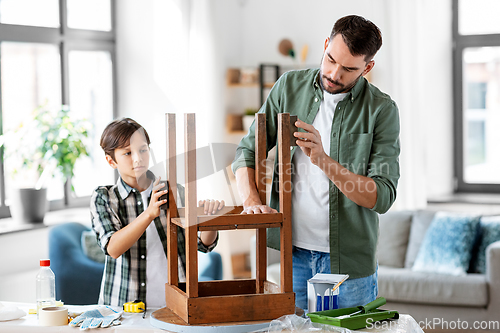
21,252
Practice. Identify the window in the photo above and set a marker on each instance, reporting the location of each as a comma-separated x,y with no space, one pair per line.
57,53
476,34
39,13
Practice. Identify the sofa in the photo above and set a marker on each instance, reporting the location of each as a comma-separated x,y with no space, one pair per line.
430,296
78,264
435,300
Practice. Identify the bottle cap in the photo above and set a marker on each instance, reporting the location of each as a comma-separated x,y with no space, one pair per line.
45,262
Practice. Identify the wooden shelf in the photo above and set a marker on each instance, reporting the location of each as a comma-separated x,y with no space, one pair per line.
243,85
238,132
250,85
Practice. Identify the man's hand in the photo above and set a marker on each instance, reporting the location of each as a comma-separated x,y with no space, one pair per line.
310,142
258,209
245,179
153,209
360,189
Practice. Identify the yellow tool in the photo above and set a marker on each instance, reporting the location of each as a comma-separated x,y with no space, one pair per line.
135,306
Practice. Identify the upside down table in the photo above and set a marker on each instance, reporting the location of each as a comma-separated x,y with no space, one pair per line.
228,301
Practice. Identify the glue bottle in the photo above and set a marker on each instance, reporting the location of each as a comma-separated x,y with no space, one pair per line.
45,286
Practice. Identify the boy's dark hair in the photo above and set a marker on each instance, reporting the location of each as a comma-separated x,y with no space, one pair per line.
118,133
362,36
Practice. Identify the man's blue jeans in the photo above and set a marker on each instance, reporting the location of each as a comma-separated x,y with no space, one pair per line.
352,292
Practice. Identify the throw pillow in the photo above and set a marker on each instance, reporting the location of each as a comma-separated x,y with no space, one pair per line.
447,246
420,223
490,233
91,248
394,230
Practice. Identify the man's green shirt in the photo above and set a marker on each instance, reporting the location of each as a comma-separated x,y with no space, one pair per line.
364,139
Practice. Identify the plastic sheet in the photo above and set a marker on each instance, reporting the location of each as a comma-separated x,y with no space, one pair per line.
296,324
10,312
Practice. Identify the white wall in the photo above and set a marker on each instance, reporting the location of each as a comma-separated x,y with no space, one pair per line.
21,252
139,95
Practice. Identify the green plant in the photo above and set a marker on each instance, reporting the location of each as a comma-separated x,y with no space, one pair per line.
251,111
47,138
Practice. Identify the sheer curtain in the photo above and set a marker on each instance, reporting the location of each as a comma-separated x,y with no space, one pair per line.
417,74
185,63
186,68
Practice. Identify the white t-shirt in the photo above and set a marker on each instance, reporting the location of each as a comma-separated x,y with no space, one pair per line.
310,196
156,262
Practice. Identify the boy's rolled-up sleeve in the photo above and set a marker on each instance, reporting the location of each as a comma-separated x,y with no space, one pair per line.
207,248
104,221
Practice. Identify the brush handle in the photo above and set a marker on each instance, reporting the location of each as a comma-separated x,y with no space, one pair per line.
375,304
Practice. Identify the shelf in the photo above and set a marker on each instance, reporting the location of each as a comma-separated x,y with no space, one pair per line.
243,85
250,85
237,132
262,77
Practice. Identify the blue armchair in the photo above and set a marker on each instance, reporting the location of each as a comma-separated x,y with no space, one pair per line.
78,278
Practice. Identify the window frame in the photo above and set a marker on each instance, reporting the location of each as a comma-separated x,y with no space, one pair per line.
66,39
460,43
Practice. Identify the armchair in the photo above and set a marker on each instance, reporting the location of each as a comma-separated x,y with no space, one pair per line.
78,278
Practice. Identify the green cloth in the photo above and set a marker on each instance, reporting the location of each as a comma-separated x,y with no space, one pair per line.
364,139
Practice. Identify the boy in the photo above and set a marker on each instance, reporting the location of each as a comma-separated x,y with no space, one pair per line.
130,225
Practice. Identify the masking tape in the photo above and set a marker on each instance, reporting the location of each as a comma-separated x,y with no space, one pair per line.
53,316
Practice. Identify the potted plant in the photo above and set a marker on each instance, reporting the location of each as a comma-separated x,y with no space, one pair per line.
48,142
248,118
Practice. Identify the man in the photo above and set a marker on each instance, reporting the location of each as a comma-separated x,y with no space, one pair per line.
346,170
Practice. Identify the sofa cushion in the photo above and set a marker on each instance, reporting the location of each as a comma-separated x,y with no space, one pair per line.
394,230
405,285
420,222
91,248
489,232
447,246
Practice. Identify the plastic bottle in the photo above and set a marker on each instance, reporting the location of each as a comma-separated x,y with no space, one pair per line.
45,286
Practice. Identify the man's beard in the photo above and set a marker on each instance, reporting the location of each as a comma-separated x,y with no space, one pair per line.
343,88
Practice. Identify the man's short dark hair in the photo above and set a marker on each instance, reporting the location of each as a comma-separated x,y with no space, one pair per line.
118,133
361,36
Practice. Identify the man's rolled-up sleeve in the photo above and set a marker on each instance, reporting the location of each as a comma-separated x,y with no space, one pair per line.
384,158
245,153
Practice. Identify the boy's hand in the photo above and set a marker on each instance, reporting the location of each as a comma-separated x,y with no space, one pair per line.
211,206
153,209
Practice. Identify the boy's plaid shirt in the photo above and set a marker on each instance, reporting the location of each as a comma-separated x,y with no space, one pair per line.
113,207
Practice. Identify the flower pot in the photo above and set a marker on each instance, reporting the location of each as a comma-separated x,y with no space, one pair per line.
247,122
28,205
